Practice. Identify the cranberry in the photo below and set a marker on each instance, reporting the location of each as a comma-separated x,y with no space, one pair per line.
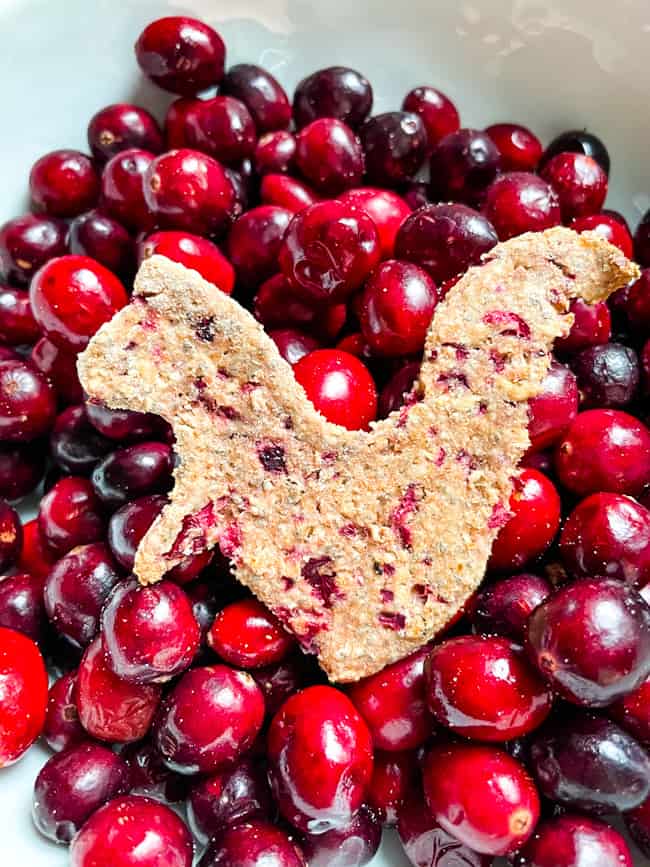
520,202
520,149
588,763
120,127
280,681
503,608
101,238
70,514
578,141
120,424
75,445
576,840
638,824
149,776
59,368
293,344
123,188
354,845
393,777
591,326
579,181
608,375
480,795
275,152
277,305
221,127
181,54
534,520
243,188
393,704
21,604
642,241
444,239
608,228
247,635
395,146
23,699
132,831
286,192
64,183
554,408
36,557
11,536
129,524
416,194
62,728
28,242
645,367
340,387
130,472
254,243
192,251
463,164
398,386
232,795
386,209
439,114
27,402
355,343
636,303
17,323
336,92
632,711
261,93
254,843
329,156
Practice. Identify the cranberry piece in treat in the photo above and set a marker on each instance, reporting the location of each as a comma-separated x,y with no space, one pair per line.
275,152
261,93
254,843
293,344
254,243
386,209
121,126
120,424
128,525
632,712
354,845
193,251
64,183
123,188
17,323
554,408
340,387
393,779
27,402
520,149
607,227
329,156
62,728
149,776
463,165
577,840
36,557
608,375
27,242
221,127
21,604
75,445
578,141
439,114
181,54
277,305
59,368
393,394
638,824
23,699
245,634
70,514
130,472
286,192
336,92
519,202
503,607
579,181
103,239
395,146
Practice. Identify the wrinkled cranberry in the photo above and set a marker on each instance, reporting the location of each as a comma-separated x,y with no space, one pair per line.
591,326
286,192
398,386
17,323
519,149
70,514
277,305
576,840
353,845
439,114
336,92
329,156
221,127
638,824
261,93
130,472
21,604
123,188
36,557
275,152
579,181
339,386
578,141
608,375
64,183
28,242
463,164
503,608
129,524
245,634
386,209
632,711
120,424
554,408
101,238
254,243
121,126
395,146
23,699
520,202
293,344
607,227
21,469
193,252
254,843
27,402
149,776
59,368
393,778
62,728
75,445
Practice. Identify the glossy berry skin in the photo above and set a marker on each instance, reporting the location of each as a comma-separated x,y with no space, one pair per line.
519,149
121,126
275,152
608,375
632,712
579,181
192,251
277,305
481,796
59,367
132,831
393,704
24,694
70,514
62,728
103,239
75,445
463,165
638,824
592,326
339,386
293,344
608,534
535,518
232,711
110,709
36,557
439,114
280,681
21,604
518,202
254,243
317,736
221,127
393,394
337,92
577,840
123,188
142,468
245,634
181,54
329,156
261,93
64,183
503,607
393,779
120,424
11,536
606,227
604,450
554,408
26,243
444,240
578,141
128,525
27,403
254,843
396,308
286,192
17,323
354,845
385,208
72,785
149,776
395,146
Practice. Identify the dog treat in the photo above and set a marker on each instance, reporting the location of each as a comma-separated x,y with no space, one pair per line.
364,544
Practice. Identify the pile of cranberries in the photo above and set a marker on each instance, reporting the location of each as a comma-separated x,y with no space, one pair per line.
520,732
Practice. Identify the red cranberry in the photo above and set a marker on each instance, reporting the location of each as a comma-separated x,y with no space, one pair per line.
555,407
59,368
132,831
480,795
130,472
75,445
192,251
261,93
62,728
444,239
355,343
644,360
254,243
129,524
636,303
385,208
123,188
578,141
354,845
293,344
608,228
119,127
463,165
149,776
579,181
576,840
36,557
28,242
17,323
280,681
588,763
642,241
72,785
591,326
23,699
632,711
27,402
21,604
286,192
120,424
318,735
638,824
275,152
247,635
254,843
221,127
329,156
416,194
608,375
21,469
542,461
335,92
101,238
393,778
70,514
180,115
340,387
11,536
181,54
393,704
398,386
243,188
396,308
503,608
520,149
395,146
64,183
520,202
277,305
439,114
534,520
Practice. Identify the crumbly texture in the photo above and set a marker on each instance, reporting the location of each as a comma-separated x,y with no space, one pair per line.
364,544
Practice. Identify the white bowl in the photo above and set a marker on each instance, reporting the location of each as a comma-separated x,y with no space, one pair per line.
552,65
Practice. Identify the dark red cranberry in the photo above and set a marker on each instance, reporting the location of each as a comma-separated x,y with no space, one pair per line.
180,115
439,114
638,824
463,165
329,156
123,188
181,54
286,192
104,239
398,386
554,408
28,242
642,241
221,127
129,524
254,843
261,93
59,368
243,187
11,536
75,445
280,681
520,202
275,152
576,840
353,845
607,227
130,472
385,208
27,402
579,181
149,776
480,795
636,303
277,305
632,711
21,604
340,387
444,239
393,778
21,469
17,323
335,92
588,763
36,557
416,194
395,146
23,699
72,785
591,326
396,308
293,344
70,514
578,141
542,461
644,359
245,634
534,520
62,728
503,608
393,704
120,424
608,375
132,831
520,149
254,243
64,183
119,127
193,252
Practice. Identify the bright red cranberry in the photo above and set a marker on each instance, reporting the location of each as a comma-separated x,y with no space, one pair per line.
329,156
632,711
642,241
638,824
275,152
62,728
21,604
340,387
353,845
123,188
149,776
254,243
234,794
119,127
64,183
463,165
534,520
70,514
286,192
576,840
280,681
608,375
23,699
393,704
130,472
17,323
120,424
277,305
75,445
104,239
608,228
72,785
27,402
72,296
59,368
480,795
232,712
588,763
578,141
503,608
393,778
253,843
132,831
520,149
439,114
193,252
245,634
11,536
221,127
555,407
395,146
591,326
318,735
335,92
181,54
579,181
519,202
28,242
293,344
385,208
261,93
444,239
129,524
36,557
